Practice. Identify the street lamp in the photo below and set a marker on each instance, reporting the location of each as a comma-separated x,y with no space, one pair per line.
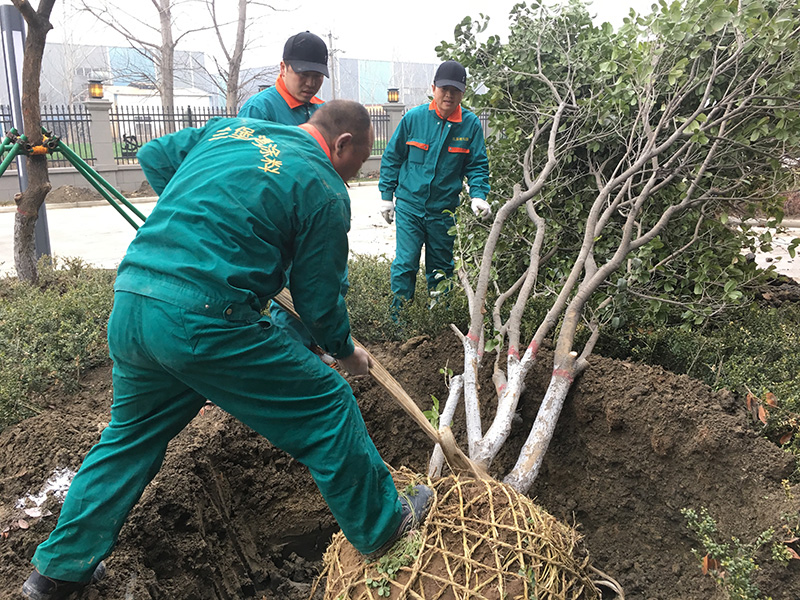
393,95
95,88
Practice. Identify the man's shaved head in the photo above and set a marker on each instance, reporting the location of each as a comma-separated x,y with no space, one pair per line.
347,130
336,117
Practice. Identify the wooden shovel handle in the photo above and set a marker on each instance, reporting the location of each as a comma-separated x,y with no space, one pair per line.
454,455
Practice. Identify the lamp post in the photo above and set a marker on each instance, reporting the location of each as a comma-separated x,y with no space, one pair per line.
393,95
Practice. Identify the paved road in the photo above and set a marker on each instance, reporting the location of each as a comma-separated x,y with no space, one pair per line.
100,236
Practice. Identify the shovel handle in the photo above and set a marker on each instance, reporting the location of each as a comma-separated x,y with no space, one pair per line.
454,455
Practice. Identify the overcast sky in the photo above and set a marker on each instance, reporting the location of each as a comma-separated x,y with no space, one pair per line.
407,30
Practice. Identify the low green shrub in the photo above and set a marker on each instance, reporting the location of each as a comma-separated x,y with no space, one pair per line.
731,564
369,302
50,333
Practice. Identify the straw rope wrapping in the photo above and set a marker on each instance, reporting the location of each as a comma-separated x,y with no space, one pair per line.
482,540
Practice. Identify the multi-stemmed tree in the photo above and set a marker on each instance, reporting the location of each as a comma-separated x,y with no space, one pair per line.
617,157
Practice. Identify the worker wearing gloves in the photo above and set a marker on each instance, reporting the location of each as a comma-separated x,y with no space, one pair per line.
240,201
292,100
434,148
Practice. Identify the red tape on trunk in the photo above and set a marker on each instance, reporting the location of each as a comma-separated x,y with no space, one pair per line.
563,373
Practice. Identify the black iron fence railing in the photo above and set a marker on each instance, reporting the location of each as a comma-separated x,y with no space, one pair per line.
484,119
133,126
71,123
380,123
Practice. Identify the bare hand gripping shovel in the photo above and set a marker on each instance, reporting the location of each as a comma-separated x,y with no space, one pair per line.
457,460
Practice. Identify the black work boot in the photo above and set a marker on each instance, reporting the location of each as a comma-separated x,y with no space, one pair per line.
416,505
39,587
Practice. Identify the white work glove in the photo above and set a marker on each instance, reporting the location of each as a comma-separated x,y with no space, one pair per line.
480,207
387,210
358,363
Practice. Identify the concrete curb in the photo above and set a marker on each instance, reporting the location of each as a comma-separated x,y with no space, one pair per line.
86,203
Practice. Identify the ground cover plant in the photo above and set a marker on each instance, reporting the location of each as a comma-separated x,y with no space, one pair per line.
52,332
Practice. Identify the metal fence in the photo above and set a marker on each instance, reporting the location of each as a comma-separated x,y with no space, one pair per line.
380,123
71,123
484,119
133,126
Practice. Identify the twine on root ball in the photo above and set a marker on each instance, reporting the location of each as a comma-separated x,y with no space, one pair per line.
482,541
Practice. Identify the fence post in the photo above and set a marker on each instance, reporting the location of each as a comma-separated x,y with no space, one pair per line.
100,125
395,112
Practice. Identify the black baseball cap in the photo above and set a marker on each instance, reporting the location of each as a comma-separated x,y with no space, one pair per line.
450,72
306,52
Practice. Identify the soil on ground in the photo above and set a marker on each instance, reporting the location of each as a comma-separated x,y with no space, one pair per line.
70,194
229,516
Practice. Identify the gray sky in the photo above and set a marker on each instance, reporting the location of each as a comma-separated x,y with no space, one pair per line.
407,30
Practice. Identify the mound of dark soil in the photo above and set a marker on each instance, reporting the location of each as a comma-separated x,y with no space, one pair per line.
70,194
231,517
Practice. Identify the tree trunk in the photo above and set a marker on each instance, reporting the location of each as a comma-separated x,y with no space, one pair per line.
32,198
232,91
166,61
532,454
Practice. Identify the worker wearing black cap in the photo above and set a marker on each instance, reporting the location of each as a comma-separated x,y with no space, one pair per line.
292,100
434,148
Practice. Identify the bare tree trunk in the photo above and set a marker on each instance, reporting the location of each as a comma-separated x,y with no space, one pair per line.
235,62
32,198
166,59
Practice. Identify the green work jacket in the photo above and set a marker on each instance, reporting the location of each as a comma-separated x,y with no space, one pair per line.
278,105
427,159
240,201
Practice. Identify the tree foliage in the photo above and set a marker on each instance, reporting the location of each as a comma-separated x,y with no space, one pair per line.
696,99
618,157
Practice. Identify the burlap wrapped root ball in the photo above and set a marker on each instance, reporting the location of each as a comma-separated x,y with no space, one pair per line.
482,540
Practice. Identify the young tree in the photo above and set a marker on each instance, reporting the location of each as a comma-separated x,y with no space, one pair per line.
30,200
619,155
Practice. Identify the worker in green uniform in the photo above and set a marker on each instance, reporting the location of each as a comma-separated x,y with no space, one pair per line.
434,148
292,100
240,201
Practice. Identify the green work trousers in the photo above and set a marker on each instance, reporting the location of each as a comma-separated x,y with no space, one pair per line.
412,233
167,362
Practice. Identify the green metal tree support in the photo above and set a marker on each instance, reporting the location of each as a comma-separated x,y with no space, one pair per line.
16,144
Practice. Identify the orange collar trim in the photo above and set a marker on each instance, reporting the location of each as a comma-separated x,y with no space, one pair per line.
317,136
455,117
293,102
